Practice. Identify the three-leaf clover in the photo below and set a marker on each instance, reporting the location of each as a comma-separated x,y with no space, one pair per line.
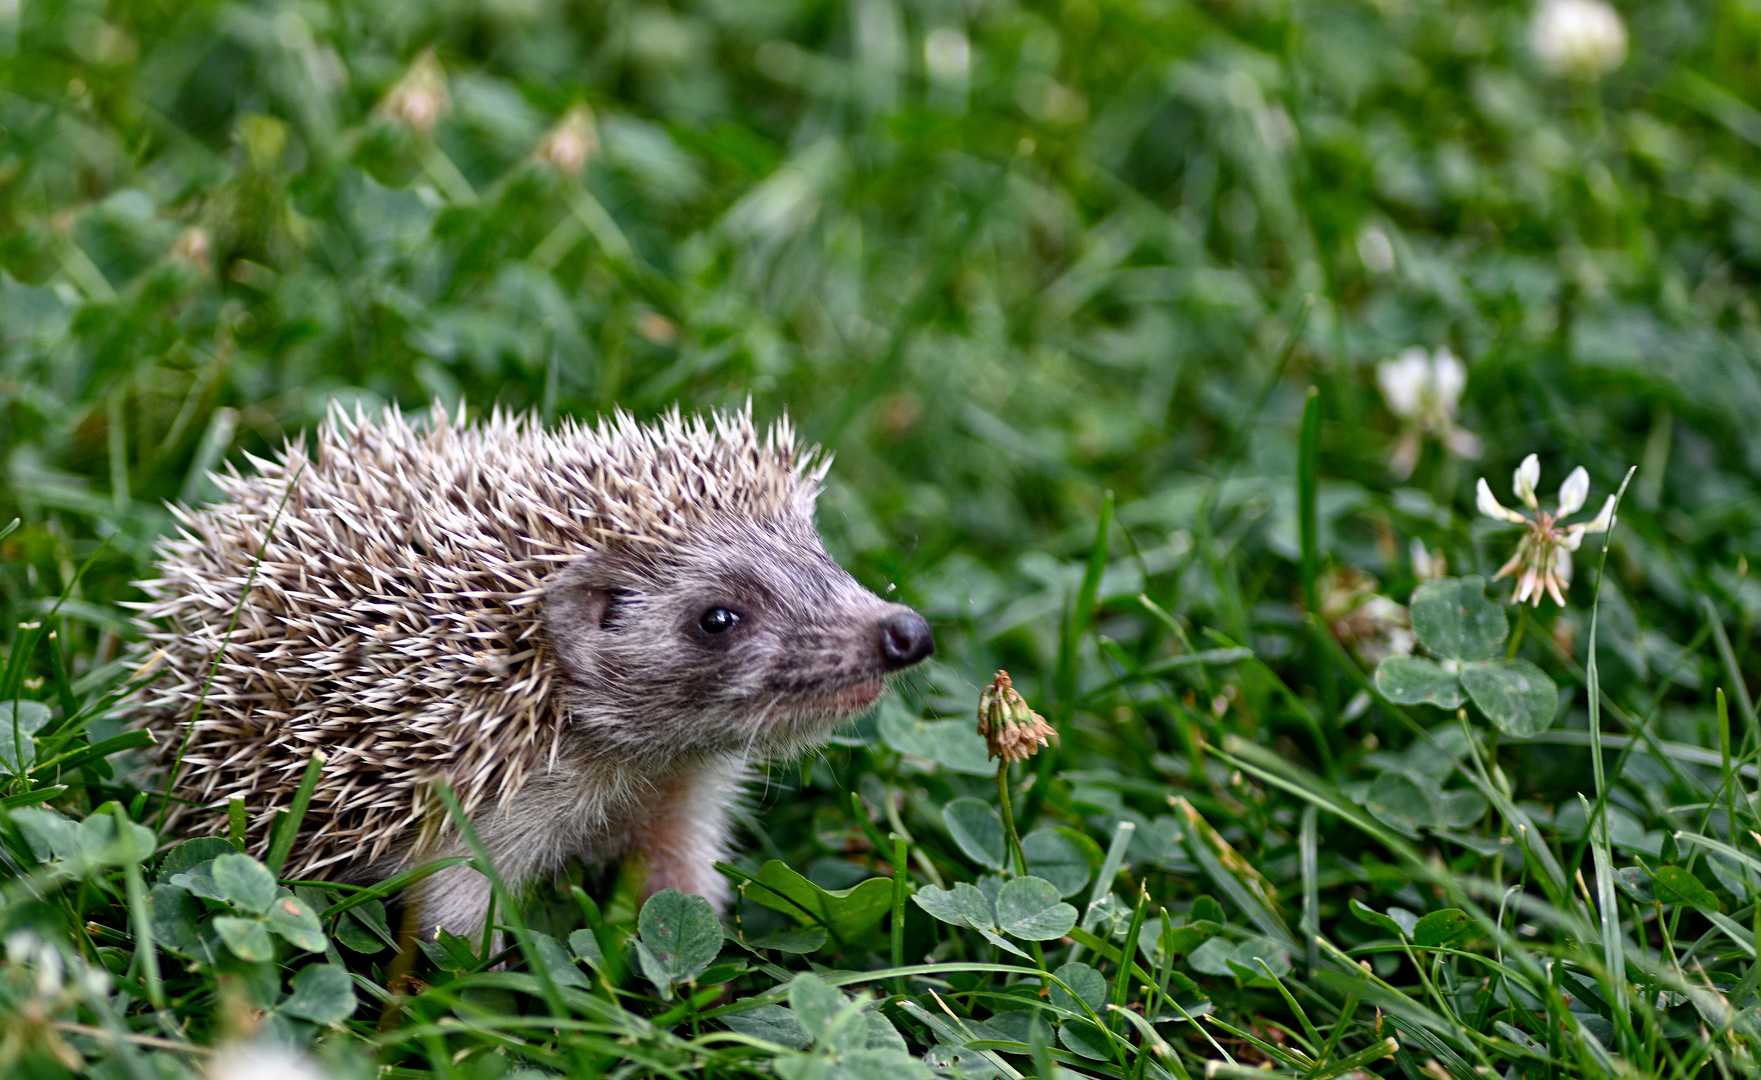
1464,630
1027,908
258,906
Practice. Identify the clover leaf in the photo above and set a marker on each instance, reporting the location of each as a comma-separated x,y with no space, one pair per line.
679,936
1457,624
1027,908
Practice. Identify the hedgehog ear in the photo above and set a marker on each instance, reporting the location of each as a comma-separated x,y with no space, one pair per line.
576,611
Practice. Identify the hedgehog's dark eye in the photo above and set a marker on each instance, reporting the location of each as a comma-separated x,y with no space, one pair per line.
718,620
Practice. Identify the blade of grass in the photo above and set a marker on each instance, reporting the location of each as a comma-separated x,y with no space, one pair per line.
1346,1012
1121,991
73,759
58,671
32,798
896,931
949,1028
1386,1048
394,884
1733,674
511,909
1238,880
1272,1050
1103,885
1152,1040
1607,899
1082,614
225,643
1204,533
235,821
1724,769
1308,1028
1308,467
25,643
146,955
1308,858
288,828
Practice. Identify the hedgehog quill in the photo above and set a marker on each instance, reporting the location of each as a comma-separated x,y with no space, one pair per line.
590,632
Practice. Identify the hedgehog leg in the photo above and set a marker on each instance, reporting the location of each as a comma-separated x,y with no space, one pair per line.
454,900
687,832
457,898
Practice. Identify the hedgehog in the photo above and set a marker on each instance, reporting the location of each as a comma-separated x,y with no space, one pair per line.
592,632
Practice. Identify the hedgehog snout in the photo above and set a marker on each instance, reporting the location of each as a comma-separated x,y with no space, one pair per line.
905,639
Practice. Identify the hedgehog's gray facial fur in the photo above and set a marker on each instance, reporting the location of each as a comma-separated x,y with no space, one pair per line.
645,678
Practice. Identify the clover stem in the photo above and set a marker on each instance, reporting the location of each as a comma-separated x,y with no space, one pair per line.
1013,856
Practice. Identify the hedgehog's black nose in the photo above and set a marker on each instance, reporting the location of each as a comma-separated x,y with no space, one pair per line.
905,639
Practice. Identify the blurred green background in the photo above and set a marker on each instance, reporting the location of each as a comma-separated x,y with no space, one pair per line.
999,257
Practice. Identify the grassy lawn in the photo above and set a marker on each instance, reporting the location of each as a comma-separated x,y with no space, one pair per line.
1163,346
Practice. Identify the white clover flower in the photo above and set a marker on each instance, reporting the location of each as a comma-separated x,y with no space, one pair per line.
1375,250
263,1060
1427,565
1580,39
947,54
1544,554
1423,391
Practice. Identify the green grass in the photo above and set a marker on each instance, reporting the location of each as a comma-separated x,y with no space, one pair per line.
1091,319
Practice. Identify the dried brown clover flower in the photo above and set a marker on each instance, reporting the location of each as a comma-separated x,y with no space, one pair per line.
571,143
420,98
1011,730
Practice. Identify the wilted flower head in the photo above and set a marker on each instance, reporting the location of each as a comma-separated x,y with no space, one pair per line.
1544,555
193,246
1423,391
419,99
1371,625
1581,39
1011,730
571,143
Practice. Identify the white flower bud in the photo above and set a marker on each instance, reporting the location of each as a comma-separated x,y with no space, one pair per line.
1448,378
1404,381
1375,249
1528,474
1602,522
1492,508
947,54
1580,39
1573,492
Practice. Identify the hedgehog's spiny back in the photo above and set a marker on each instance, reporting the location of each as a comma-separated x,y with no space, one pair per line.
393,620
